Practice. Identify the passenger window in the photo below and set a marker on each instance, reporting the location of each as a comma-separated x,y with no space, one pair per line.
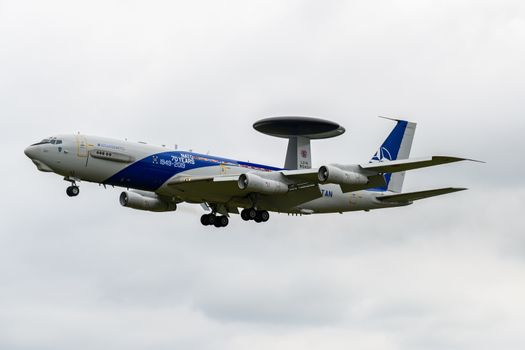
53,142
59,142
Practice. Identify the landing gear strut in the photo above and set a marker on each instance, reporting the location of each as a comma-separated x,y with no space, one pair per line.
255,215
212,219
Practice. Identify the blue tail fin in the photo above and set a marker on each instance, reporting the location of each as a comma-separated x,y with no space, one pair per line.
396,146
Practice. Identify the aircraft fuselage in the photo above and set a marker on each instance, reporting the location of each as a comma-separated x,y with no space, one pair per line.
144,167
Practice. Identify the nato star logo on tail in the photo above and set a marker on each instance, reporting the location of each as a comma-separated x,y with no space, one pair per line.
381,155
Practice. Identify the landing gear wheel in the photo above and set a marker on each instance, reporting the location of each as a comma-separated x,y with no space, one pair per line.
72,191
264,216
244,215
252,213
204,220
223,221
211,219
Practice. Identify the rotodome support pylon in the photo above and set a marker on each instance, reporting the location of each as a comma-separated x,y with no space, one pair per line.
299,131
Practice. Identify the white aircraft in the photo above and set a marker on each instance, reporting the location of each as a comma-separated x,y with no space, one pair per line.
157,179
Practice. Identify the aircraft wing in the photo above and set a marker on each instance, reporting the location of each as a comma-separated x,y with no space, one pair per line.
296,178
395,166
227,185
413,196
299,179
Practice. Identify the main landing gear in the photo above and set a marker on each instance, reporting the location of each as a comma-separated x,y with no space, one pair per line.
255,215
212,219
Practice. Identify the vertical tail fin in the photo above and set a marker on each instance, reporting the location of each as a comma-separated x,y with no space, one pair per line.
396,146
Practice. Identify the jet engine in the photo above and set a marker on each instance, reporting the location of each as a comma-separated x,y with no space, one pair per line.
255,183
145,202
335,175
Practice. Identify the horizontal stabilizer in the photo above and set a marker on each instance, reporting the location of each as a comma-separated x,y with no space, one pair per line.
413,196
395,166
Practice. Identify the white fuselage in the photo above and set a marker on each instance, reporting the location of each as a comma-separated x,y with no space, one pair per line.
150,168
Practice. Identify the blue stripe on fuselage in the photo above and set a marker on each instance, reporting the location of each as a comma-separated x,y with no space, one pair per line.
150,173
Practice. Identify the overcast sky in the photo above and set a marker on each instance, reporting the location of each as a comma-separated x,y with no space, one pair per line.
85,273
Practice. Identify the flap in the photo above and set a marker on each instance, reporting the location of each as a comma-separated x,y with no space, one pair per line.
205,186
188,178
305,175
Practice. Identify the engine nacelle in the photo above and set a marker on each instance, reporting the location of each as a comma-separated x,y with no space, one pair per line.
138,201
254,183
335,175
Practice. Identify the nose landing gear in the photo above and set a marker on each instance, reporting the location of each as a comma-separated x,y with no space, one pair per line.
73,190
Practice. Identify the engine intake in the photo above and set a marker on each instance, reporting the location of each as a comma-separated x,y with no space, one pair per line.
335,175
138,201
255,183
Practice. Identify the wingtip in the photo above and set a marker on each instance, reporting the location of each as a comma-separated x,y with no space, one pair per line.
459,159
472,160
457,189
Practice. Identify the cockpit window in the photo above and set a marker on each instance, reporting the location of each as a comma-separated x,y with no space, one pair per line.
44,141
51,140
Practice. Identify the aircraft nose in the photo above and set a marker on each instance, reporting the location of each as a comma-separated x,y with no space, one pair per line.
31,152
